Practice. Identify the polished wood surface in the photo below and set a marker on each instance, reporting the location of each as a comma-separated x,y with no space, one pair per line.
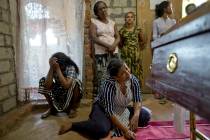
189,84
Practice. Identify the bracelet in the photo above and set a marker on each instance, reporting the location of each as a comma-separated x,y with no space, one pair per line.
129,132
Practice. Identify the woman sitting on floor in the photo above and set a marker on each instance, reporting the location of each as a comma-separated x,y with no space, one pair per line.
61,87
110,110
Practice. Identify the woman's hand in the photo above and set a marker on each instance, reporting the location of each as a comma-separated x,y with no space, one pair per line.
161,34
130,135
56,66
53,63
134,122
111,49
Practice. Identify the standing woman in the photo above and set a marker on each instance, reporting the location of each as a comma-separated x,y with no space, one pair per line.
161,25
105,38
61,87
131,44
163,22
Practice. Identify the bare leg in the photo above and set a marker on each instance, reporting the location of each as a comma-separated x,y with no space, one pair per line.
65,128
51,110
42,90
96,127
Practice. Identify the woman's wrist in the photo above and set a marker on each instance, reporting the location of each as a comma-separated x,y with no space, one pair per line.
51,69
126,131
136,114
129,133
137,109
58,70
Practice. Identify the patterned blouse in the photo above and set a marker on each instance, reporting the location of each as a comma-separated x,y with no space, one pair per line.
70,72
130,50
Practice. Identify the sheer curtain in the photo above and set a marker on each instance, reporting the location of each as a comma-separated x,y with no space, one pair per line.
46,27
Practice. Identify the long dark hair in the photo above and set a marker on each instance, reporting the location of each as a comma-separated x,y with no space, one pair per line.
114,66
95,8
159,9
64,61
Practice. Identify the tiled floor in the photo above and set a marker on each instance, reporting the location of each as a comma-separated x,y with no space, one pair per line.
33,128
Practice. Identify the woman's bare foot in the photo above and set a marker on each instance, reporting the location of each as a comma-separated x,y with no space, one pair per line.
65,128
46,114
49,112
72,113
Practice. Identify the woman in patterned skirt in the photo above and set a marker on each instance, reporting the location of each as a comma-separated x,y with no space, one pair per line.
105,38
132,42
61,87
111,110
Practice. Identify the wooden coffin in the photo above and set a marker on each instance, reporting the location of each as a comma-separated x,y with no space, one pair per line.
181,63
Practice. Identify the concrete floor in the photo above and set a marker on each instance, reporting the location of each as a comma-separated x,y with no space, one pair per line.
31,127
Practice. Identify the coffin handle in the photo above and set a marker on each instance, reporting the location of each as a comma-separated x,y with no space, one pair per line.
172,63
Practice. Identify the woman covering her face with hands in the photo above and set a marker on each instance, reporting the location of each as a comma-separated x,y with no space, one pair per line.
61,87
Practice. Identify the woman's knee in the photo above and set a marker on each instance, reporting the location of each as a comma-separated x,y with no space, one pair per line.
42,90
76,98
145,117
76,91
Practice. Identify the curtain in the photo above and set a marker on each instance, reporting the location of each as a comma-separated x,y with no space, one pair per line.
46,27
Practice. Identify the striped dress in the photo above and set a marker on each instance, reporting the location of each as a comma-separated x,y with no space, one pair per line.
61,97
115,103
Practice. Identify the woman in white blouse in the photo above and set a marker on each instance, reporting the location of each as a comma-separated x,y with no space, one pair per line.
161,25
162,22
105,39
